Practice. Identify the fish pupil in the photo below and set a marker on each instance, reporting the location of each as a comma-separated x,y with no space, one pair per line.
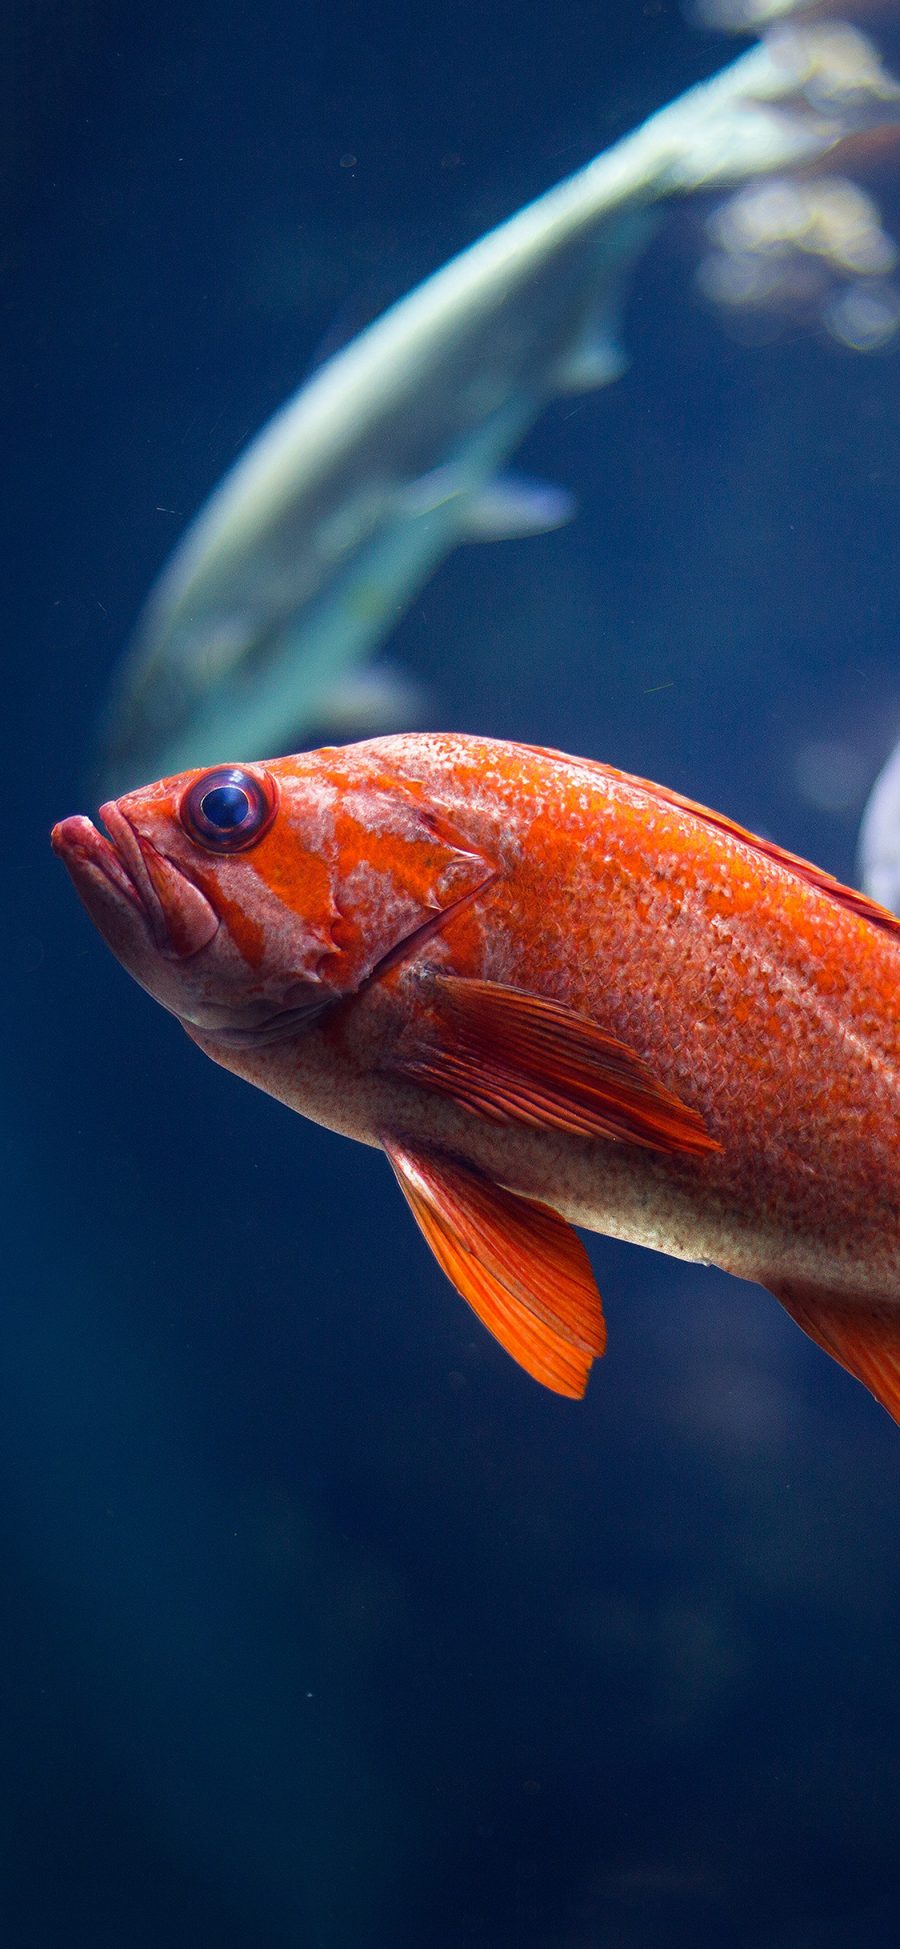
226,806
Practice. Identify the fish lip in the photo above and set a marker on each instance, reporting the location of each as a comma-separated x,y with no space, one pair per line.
126,850
77,838
181,917
178,917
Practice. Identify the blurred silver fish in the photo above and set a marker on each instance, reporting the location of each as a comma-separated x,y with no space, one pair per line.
308,552
879,837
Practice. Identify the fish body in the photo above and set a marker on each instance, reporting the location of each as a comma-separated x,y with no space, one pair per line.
307,553
555,995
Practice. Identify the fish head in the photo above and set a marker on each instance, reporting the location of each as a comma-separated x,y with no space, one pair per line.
250,898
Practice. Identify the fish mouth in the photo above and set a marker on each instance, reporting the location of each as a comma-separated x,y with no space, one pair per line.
78,843
142,880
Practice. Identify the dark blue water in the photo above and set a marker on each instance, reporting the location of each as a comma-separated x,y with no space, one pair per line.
321,1624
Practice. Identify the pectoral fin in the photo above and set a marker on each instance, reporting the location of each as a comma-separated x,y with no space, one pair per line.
513,1057
597,360
512,506
862,1335
521,1268
498,510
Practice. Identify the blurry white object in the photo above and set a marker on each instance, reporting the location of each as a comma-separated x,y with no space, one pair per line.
879,837
811,250
754,16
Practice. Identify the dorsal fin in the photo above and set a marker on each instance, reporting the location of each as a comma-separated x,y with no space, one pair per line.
802,869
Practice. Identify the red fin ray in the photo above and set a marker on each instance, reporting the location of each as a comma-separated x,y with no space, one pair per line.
862,1335
513,1057
520,1267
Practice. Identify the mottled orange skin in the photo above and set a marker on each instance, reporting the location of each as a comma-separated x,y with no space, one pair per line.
762,1001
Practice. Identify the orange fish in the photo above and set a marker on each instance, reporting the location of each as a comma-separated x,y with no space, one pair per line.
554,995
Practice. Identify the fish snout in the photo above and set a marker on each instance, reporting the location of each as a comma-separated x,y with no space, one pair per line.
123,879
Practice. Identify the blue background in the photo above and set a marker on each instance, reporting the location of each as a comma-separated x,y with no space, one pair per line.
322,1625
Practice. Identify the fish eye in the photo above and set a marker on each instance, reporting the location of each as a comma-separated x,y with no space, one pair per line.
228,809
